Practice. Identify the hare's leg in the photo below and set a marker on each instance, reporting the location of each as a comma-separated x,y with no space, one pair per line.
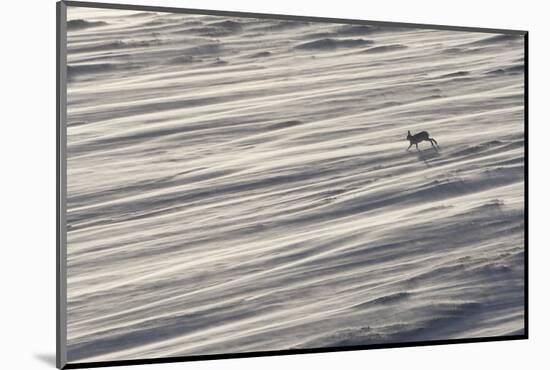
432,142
409,147
435,142
417,146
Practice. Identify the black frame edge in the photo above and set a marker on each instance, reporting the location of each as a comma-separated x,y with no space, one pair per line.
526,183
61,252
162,9
61,353
163,360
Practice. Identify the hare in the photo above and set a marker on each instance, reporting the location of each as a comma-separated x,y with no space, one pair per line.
421,136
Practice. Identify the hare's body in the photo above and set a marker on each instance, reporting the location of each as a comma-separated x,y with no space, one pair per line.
421,136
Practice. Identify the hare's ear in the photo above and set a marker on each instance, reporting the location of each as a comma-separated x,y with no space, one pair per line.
409,132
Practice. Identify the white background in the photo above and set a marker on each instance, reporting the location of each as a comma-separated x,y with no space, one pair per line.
27,146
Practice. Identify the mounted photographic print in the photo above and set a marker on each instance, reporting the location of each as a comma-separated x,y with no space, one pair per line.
237,184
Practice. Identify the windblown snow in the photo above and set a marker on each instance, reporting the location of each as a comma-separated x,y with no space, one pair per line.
242,185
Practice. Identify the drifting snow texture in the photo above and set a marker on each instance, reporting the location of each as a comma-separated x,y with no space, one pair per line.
240,185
